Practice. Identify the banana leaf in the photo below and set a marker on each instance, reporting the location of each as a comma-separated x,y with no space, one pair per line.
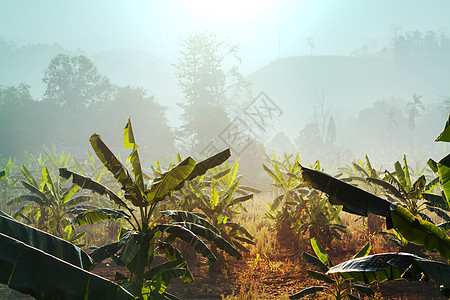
202,167
112,163
320,276
97,215
315,261
43,276
444,136
394,266
169,181
211,236
435,200
419,231
345,194
308,291
189,237
88,183
444,173
45,242
185,216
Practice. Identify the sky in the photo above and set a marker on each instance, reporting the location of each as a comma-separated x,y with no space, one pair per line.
264,29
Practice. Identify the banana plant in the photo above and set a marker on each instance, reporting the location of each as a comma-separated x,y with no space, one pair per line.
338,286
303,209
360,202
365,176
48,205
218,197
147,234
9,178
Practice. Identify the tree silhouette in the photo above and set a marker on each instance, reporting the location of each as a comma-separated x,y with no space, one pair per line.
74,82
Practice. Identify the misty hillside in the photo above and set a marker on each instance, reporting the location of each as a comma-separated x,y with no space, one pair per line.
297,84
121,66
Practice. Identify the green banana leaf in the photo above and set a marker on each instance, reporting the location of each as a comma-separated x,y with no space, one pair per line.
47,267
185,216
444,173
394,266
97,215
364,251
419,231
189,237
45,242
169,181
346,194
209,163
444,136
129,142
315,261
212,237
320,276
113,164
308,291
87,183
321,253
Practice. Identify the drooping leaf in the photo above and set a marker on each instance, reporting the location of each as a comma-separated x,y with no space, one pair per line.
360,170
211,236
112,163
77,200
88,183
386,185
308,291
419,231
352,198
168,267
235,227
320,276
36,191
202,167
185,216
271,174
239,200
28,176
48,243
97,215
435,200
43,276
364,289
190,238
315,261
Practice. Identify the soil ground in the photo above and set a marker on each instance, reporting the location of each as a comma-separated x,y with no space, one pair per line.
274,278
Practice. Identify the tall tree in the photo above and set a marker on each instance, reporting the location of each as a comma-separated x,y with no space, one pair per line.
74,82
208,75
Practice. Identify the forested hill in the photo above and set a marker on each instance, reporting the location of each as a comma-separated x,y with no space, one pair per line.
298,84
122,66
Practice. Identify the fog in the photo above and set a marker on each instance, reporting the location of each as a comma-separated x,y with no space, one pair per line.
339,79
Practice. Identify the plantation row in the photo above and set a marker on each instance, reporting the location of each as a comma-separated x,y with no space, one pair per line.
195,203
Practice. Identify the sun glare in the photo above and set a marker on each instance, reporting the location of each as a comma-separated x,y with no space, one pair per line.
228,13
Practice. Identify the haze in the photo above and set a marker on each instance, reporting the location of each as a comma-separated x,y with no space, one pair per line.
313,59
